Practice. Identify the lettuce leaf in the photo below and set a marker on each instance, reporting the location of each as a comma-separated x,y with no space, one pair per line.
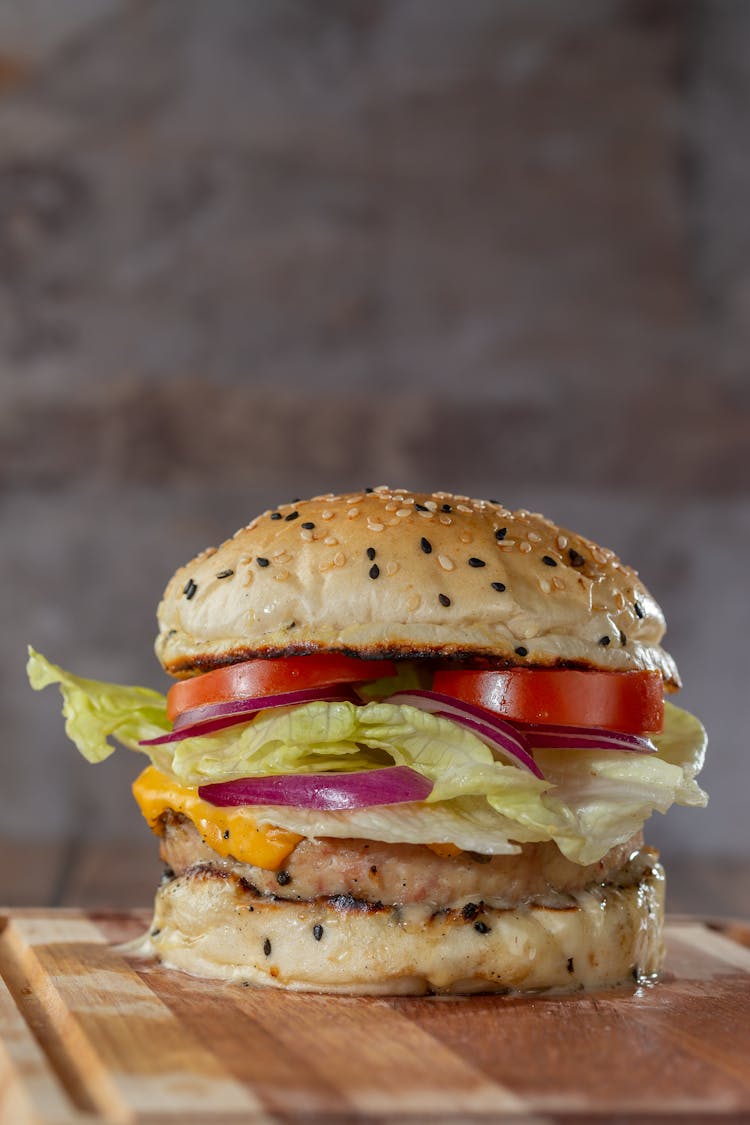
590,800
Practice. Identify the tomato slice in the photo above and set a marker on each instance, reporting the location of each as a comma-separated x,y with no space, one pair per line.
253,678
626,701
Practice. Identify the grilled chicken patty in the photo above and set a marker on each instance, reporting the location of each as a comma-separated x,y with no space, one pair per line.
399,874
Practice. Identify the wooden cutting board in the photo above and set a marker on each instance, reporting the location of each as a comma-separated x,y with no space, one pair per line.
88,1036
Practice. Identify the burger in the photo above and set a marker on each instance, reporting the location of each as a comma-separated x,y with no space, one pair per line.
411,746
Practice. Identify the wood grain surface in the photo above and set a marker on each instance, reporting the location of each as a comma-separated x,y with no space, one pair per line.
88,1034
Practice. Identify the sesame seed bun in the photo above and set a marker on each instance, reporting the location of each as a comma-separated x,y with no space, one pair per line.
212,925
399,574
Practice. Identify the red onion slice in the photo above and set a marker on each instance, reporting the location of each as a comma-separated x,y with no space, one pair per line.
501,735
392,785
584,738
218,716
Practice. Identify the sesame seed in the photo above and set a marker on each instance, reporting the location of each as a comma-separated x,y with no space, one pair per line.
533,537
370,552
275,515
425,545
524,547
375,526
500,533
473,561
352,513
267,947
431,504
339,558
306,535
317,931
548,560
403,512
354,499
426,514
463,508
331,541
604,641
327,514
292,516
374,570
557,583
281,575
466,537
446,563
444,599
446,521
545,586
638,609
499,586
189,589
308,525
391,506
575,558
391,568
225,574
521,651
562,542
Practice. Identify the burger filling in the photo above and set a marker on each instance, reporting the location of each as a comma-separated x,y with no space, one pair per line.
398,783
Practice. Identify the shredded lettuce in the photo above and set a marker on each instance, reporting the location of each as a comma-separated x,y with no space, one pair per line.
589,801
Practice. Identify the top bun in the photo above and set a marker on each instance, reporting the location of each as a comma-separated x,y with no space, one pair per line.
393,573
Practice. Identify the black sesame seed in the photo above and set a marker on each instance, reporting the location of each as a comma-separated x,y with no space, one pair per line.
267,947
499,586
421,508
501,532
604,641
275,515
623,639
470,911
226,833
444,599
262,562
156,932
494,501
575,558
374,570
308,525
571,967
369,490
189,589
283,877
638,609
521,651
373,869
317,928
225,574
446,508
476,562
296,499
370,553
482,927
425,545
548,560
292,516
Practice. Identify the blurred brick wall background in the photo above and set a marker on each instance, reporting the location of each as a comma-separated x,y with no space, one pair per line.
253,250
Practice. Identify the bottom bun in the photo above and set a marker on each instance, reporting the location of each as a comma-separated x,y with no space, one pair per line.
211,924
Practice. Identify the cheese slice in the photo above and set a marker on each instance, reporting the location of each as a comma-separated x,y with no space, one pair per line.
231,831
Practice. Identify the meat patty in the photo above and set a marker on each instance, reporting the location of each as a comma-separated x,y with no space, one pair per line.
400,874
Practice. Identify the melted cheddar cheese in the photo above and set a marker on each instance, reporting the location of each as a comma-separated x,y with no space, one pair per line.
229,831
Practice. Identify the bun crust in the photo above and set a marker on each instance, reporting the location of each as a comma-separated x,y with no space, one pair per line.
207,924
394,573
